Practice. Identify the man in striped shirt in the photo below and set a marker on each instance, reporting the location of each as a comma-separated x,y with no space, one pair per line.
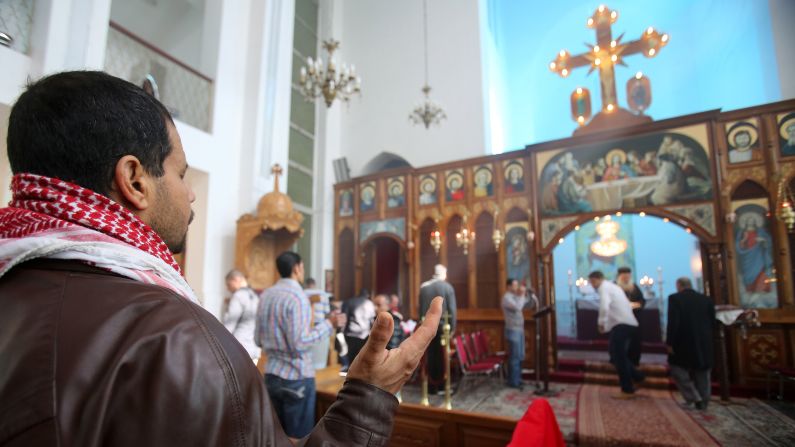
285,334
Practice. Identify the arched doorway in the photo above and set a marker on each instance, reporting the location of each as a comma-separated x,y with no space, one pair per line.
657,249
384,268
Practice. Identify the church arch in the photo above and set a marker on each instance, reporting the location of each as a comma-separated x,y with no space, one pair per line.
383,162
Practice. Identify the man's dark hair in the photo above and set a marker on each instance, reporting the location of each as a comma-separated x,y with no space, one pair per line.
596,274
310,282
286,262
509,282
622,270
76,125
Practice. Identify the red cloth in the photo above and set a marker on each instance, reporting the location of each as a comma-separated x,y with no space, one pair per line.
41,203
538,427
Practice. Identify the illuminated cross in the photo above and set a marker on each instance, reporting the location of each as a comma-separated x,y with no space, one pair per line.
607,53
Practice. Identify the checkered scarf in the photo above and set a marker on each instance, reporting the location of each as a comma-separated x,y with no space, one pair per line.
50,218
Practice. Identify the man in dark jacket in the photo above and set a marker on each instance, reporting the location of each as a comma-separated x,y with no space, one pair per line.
360,312
102,340
438,286
691,319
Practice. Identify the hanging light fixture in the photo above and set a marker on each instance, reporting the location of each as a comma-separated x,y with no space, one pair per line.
436,241
465,237
427,112
609,244
329,82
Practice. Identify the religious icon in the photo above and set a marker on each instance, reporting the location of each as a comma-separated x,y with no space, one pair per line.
517,256
428,189
786,128
753,243
346,202
395,193
743,140
455,185
367,197
647,170
638,93
513,170
580,102
483,180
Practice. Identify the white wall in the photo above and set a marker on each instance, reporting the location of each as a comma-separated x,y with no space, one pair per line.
384,39
782,13
175,26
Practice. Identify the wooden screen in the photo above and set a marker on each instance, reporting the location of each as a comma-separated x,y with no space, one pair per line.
428,257
346,275
456,264
486,263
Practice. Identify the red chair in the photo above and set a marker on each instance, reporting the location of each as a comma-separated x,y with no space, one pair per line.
468,366
481,342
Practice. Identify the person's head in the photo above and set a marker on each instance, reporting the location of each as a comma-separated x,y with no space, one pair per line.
624,275
632,157
440,272
455,183
381,302
742,139
513,175
107,135
289,265
791,133
235,279
596,278
616,160
683,283
310,283
512,285
394,301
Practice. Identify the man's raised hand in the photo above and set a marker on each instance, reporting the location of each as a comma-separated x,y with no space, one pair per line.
390,369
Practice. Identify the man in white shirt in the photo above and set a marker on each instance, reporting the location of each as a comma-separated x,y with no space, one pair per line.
615,317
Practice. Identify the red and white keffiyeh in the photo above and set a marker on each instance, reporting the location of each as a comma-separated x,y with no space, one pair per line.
50,218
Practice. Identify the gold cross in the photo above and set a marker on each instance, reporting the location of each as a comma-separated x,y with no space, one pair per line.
607,53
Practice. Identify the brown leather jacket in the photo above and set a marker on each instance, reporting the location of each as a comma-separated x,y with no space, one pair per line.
89,358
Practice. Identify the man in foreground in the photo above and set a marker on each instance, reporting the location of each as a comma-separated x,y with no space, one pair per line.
102,341
438,286
615,317
285,333
691,320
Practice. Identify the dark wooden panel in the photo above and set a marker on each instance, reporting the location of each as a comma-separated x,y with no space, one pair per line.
457,264
413,432
487,265
346,274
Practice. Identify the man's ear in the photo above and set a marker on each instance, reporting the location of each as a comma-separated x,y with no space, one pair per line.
132,184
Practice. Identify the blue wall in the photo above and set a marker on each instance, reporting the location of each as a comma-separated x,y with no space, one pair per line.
721,55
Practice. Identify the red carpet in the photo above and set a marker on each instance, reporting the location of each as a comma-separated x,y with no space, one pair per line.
652,419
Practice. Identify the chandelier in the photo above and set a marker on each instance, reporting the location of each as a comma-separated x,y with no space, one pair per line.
329,81
465,237
784,211
436,241
427,112
609,244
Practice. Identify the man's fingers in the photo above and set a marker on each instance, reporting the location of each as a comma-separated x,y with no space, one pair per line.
421,337
383,328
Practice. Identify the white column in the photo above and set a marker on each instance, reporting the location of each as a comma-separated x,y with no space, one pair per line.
328,142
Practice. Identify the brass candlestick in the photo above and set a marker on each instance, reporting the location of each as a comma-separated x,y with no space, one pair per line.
424,374
448,401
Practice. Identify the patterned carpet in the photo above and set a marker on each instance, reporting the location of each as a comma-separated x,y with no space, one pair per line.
653,418
588,415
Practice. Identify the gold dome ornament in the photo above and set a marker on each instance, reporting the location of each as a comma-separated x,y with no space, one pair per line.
275,209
